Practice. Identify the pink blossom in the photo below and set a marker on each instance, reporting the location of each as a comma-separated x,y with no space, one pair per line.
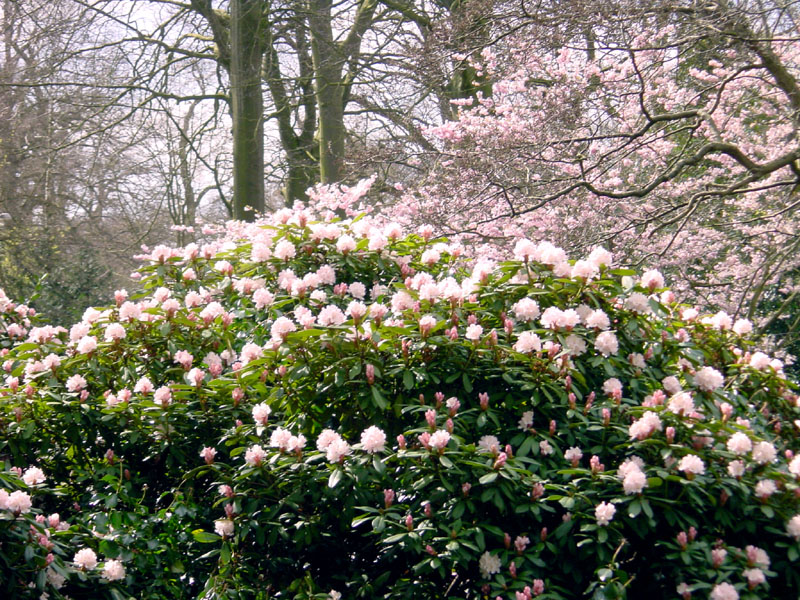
76,383
528,342
604,513
114,332
692,464
261,413
606,343
439,439
143,386
793,527
208,453
474,332
739,443
764,453
33,476
254,455
652,280
724,591
573,455
331,315
526,309
284,250
426,324
87,344
163,396
373,439
708,379
251,352
337,450
345,244
281,328
85,559
183,358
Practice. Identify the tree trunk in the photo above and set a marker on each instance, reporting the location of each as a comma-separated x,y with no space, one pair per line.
328,65
248,108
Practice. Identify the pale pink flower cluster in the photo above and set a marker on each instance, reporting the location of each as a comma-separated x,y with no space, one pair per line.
645,426
739,443
18,502
261,413
76,383
526,309
708,379
633,477
373,439
604,513
555,318
764,453
333,445
681,404
597,319
606,343
528,342
489,565
439,439
331,315
283,440
113,570
760,361
281,328
33,476
254,455
691,464
724,591
224,527
85,559
793,527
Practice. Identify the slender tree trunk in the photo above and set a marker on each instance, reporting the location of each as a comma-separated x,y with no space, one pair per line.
328,89
248,108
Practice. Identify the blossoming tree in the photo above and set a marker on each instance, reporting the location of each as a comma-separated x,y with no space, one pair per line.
318,409
670,134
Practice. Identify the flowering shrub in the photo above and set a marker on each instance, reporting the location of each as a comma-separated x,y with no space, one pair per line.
333,410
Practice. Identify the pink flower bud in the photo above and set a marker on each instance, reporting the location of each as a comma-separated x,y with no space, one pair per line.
429,549
606,417
409,523
370,372
507,541
543,534
428,510
692,533
430,417
465,488
552,427
512,570
448,425
483,397
401,442
537,491
388,498
670,433
538,587
682,539
229,510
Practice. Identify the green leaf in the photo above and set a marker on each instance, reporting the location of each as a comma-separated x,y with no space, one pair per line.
335,478
378,398
602,535
488,478
408,380
205,537
378,464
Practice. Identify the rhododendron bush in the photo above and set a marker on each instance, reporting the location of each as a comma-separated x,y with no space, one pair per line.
307,409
